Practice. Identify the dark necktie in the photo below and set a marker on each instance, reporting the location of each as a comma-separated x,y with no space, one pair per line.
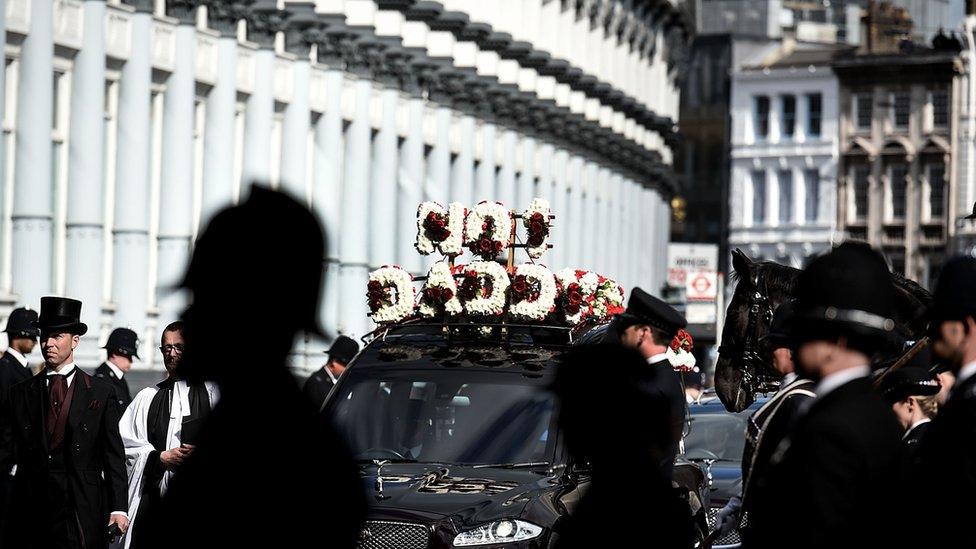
57,393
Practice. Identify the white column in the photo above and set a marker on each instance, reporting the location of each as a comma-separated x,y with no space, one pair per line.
544,187
648,260
574,220
439,163
560,202
636,237
485,174
86,174
218,145
664,218
411,181
591,217
616,250
462,177
353,246
259,119
382,205
506,170
327,191
526,183
130,280
176,194
33,202
3,102
603,221
295,128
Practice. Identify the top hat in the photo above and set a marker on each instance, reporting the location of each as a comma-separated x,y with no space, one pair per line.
906,382
972,215
343,349
779,335
61,314
847,292
955,292
123,341
20,323
643,308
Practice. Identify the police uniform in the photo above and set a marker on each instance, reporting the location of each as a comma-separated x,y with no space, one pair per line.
121,341
319,385
834,477
901,384
13,370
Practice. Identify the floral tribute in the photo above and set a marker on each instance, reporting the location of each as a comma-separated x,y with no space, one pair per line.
390,294
440,293
577,292
440,229
679,352
536,219
532,293
483,288
609,298
488,230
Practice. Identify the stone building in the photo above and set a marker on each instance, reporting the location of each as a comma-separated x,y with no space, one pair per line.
127,123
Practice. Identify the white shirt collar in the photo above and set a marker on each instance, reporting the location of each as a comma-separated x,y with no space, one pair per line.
328,372
914,425
17,356
657,358
115,369
65,370
837,379
787,379
965,372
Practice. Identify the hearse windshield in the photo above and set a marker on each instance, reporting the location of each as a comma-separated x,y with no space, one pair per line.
455,416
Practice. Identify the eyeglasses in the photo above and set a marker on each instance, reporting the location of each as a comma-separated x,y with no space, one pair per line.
165,349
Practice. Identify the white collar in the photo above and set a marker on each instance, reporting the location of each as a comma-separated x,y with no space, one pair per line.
787,379
115,369
914,425
657,358
65,370
965,372
837,379
17,356
328,372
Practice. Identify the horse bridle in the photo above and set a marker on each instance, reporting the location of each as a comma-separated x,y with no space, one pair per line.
754,371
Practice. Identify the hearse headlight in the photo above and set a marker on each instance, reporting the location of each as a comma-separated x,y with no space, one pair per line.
500,531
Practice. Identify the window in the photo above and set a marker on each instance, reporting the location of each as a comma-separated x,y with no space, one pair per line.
785,196
762,116
901,108
861,183
811,204
936,176
789,115
897,189
940,108
863,111
814,114
758,197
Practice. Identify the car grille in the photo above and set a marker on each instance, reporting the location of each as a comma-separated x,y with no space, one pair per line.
732,537
381,534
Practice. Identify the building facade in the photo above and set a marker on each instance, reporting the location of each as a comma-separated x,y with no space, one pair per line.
784,155
128,123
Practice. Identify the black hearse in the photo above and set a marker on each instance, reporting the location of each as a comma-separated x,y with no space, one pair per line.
455,431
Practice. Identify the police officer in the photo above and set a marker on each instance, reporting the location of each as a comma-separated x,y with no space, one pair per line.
21,340
947,454
910,392
834,478
122,346
648,325
319,384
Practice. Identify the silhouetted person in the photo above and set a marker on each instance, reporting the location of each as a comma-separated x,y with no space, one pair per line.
121,347
255,475
615,424
21,340
320,384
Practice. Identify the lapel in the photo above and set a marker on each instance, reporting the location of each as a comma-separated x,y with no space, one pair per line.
81,398
36,405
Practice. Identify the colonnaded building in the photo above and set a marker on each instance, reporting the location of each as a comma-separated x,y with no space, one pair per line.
128,123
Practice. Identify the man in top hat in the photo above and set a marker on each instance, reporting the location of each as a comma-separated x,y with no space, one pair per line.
61,429
648,325
910,391
21,340
319,384
951,437
833,478
122,345
771,423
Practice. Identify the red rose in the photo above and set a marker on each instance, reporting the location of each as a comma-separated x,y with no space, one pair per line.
447,294
520,286
433,293
536,239
375,285
574,295
536,227
485,246
497,245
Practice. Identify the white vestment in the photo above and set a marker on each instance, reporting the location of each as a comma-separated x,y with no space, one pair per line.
134,428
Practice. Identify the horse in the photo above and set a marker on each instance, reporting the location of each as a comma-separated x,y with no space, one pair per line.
744,364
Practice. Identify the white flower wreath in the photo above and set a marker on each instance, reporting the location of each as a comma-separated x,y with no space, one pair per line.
483,243
492,304
386,307
453,218
441,278
545,303
588,283
683,361
538,207
609,299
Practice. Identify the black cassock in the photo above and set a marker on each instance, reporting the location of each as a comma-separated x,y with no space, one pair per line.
317,387
63,496
839,477
120,384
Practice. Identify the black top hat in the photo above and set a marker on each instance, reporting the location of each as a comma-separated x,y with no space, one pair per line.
123,341
20,323
906,382
955,292
343,349
972,215
61,314
643,308
847,292
779,335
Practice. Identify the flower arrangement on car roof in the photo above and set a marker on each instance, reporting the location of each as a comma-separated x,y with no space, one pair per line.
490,286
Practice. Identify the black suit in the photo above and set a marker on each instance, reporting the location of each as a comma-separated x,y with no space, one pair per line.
86,480
663,380
946,470
838,477
317,387
11,373
121,386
